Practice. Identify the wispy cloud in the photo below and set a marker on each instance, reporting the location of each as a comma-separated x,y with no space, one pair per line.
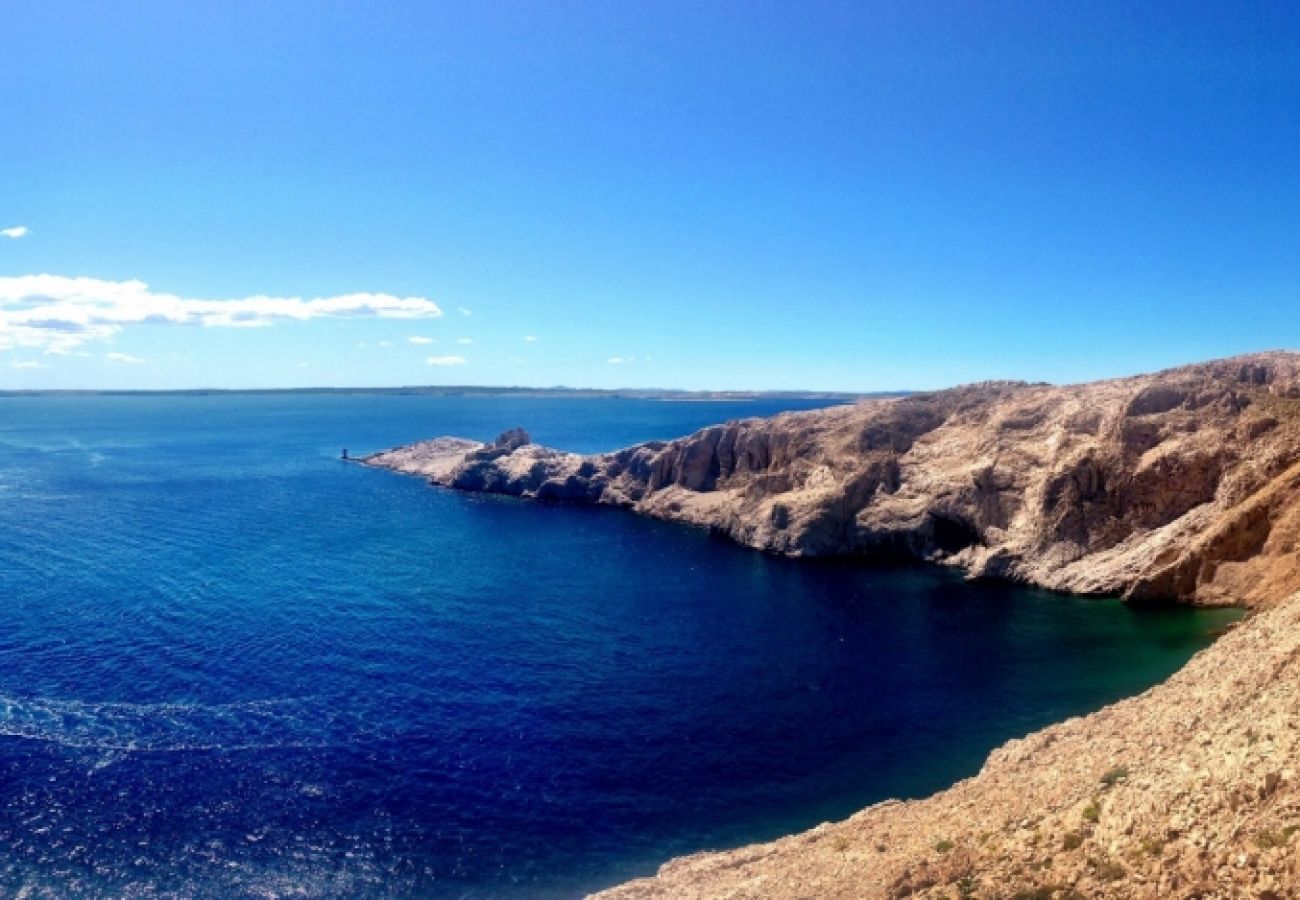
621,360
446,360
464,340
463,311
531,338
420,339
16,232
125,359
27,364
58,313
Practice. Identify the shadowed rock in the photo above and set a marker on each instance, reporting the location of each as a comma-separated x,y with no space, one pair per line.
1124,486
1182,484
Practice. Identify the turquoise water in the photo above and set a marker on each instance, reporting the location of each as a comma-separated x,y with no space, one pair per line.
232,666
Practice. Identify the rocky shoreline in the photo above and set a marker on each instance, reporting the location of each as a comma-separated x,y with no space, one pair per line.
1181,485
1178,485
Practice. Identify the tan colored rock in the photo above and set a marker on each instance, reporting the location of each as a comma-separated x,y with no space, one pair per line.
1181,484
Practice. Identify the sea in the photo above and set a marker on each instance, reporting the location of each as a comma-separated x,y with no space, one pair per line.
232,665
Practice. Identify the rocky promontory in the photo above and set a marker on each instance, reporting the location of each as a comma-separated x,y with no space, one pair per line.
1177,485
1181,485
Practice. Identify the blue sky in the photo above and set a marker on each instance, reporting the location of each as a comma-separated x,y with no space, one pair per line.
719,195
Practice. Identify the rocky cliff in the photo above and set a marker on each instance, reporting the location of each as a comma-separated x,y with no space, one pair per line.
1183,484
1176,485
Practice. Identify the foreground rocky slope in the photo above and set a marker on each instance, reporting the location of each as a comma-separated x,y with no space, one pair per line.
1184,484
1189,790
1180,484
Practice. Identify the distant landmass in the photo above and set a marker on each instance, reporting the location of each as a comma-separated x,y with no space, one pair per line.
471,390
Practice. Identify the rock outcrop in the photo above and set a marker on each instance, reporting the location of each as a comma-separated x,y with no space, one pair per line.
1178,485
1184,484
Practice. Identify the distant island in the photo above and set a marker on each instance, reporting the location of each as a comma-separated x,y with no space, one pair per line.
1182,486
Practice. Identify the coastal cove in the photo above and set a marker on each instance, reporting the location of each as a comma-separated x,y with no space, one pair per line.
231,664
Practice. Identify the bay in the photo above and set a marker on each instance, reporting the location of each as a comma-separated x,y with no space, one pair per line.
231,665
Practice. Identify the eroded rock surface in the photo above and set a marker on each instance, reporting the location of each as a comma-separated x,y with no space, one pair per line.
1181,484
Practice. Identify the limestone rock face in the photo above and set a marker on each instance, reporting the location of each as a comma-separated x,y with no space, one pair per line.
1183,484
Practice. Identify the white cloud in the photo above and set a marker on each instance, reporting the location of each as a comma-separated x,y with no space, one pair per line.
620,360
446,360
16,232
58,313
385,343
463,311
530,338
420,339
27,364
464,340
125,359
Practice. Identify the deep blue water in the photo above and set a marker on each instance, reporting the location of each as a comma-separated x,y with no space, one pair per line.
232,665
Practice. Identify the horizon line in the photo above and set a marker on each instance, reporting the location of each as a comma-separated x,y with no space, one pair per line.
478,388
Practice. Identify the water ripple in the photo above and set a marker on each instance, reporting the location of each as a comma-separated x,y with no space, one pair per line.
172,727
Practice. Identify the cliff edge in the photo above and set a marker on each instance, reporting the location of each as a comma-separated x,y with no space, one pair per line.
1183,484
1176,485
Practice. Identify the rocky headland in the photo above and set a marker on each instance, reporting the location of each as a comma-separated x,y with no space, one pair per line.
1182,485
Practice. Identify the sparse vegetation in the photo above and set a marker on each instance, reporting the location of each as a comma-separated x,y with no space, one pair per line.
1035,893
840,844
1092,812
943,846
1152,846
1269,838
1072,840
1108,870
1114,775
